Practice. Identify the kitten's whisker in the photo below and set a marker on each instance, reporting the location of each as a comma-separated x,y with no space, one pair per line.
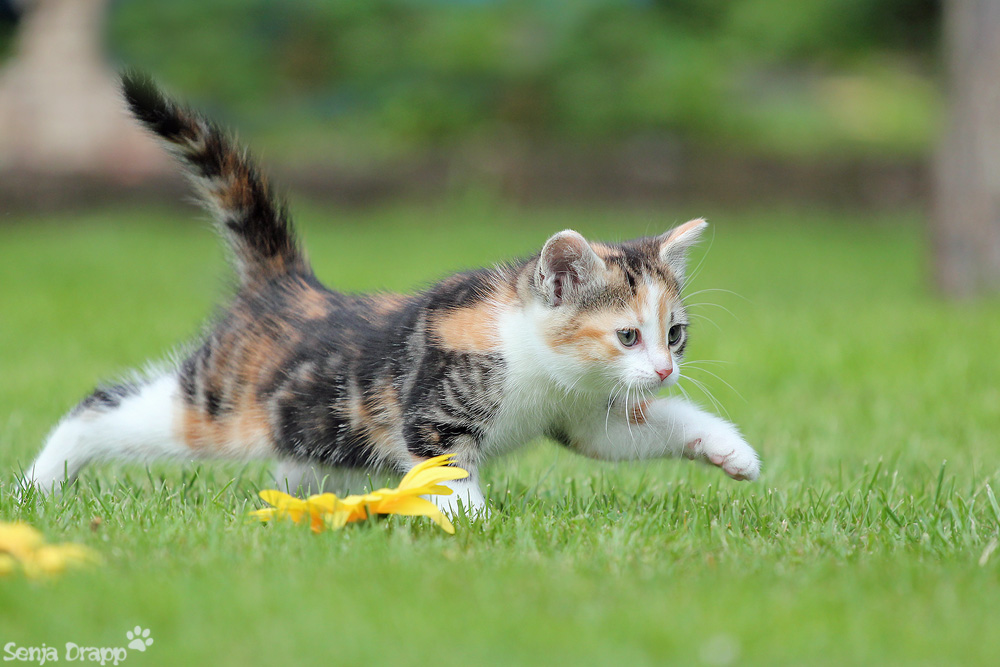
705,370
718,406
628,420
713,305
707,319
647,396
706,361
611,402
717,289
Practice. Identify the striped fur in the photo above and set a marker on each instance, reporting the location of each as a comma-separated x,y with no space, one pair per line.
475,365
246,212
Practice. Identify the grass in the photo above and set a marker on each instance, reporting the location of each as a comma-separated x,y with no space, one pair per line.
869,539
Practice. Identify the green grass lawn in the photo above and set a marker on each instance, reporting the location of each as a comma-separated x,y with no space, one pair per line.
859,545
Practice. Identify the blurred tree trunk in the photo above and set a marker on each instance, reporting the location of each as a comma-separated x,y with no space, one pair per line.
60,109
967,202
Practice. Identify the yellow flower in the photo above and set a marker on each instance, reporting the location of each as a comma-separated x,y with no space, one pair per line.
326,510
20,544
7,564
19,540
54,558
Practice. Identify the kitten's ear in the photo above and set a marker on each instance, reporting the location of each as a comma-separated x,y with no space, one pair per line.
567,264
674,245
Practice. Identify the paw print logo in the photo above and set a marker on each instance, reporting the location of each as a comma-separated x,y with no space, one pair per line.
138,638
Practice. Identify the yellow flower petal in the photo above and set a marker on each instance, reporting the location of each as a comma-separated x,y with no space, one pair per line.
360,501
426,478
7,564
435,490
54,558
281,500
266,514
19,539
324,502
285,505
416,506
337,520
433,462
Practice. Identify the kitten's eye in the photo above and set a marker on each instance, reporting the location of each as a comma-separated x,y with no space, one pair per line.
628,337
675,334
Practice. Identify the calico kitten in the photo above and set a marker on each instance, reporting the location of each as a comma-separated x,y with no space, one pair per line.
572,343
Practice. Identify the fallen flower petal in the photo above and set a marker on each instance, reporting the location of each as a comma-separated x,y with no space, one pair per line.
19,539
55,558
326,510
416,506
23,546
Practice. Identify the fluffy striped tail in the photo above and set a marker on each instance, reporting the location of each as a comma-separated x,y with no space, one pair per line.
247,214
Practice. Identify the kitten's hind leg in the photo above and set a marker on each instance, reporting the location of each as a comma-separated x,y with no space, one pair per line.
131,420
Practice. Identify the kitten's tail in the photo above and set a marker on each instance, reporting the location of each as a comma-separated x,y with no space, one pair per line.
253,221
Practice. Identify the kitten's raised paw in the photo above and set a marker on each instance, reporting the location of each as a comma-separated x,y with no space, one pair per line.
736,458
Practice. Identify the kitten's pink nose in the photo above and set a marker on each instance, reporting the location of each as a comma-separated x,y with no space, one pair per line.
664,372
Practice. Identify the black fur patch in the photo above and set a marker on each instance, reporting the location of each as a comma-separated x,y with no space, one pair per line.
558,434
150,106
108,397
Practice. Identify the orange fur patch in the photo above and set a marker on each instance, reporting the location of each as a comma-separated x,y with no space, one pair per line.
199,431
468,329
603,251
589,335
234,193
386,303
309,303
251,422
248,353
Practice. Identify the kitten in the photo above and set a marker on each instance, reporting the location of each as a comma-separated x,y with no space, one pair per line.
572,343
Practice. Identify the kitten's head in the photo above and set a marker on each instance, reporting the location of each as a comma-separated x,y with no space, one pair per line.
611,314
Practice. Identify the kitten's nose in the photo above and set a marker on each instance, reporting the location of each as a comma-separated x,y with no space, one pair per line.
664,373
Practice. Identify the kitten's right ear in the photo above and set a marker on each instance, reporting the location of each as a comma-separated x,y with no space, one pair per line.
566,265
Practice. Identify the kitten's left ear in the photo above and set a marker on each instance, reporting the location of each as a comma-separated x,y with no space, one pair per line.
674,245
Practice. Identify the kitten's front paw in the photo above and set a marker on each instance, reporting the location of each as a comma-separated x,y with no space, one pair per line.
728,451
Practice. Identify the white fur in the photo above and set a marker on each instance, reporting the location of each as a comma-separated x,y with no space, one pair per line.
641,362
466,495
141,427
672,427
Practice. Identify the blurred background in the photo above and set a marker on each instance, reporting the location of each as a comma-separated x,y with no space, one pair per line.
618,101
614,100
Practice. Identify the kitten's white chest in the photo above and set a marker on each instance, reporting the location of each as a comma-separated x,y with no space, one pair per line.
532,401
